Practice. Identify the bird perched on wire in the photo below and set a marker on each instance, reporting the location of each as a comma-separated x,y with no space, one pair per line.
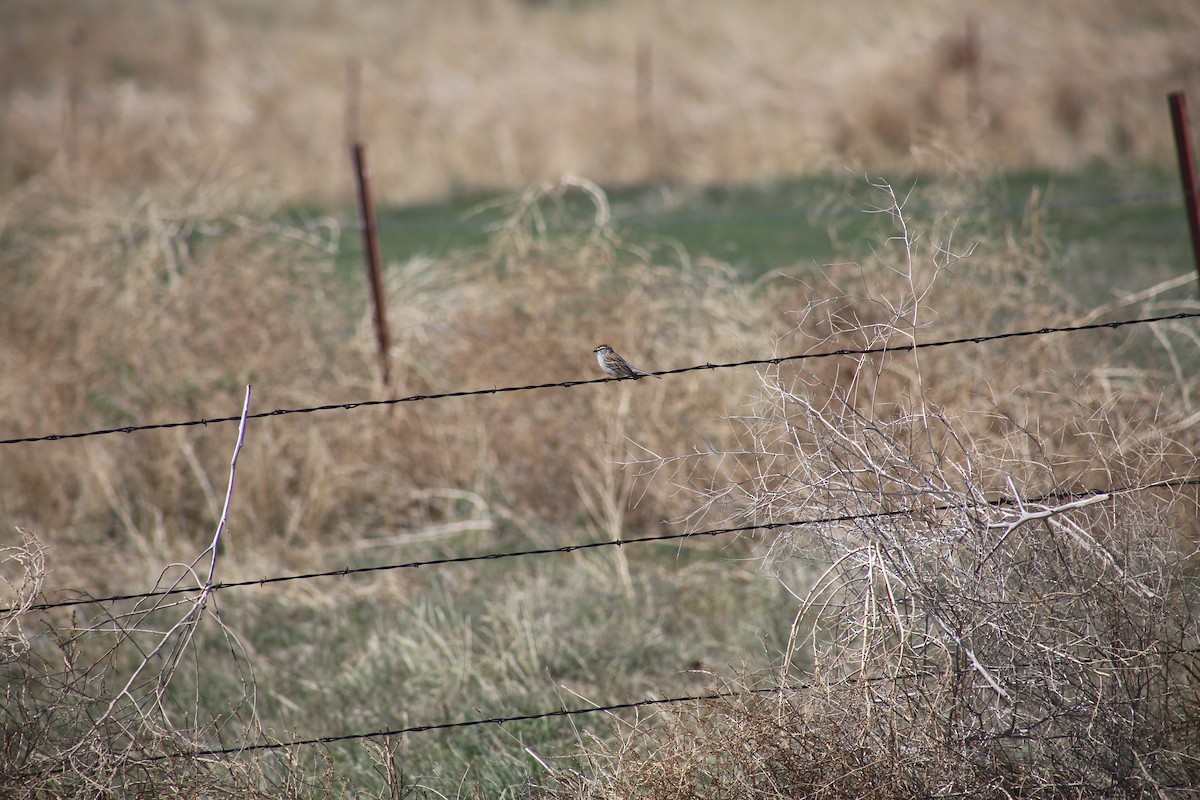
617,367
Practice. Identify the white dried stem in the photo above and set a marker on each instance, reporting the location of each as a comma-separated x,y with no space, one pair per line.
215,547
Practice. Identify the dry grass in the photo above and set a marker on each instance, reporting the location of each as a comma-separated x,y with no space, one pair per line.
502,93
1031,647
212,300
1048,647
196,301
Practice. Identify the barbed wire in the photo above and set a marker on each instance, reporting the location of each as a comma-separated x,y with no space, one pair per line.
883,349
441,562
563,712
1177,482
558,713
471,723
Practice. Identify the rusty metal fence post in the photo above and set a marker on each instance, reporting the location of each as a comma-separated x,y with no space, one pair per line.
366,211
1187,169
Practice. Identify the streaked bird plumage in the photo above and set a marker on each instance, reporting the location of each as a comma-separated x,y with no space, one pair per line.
617,367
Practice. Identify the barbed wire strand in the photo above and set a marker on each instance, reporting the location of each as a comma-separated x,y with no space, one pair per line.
441,562
503,720
53,437
1177,482
470,723
564,712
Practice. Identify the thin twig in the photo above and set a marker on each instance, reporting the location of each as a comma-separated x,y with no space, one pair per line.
214,548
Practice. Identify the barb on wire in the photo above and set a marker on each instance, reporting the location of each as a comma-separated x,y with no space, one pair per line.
1177,482
279,412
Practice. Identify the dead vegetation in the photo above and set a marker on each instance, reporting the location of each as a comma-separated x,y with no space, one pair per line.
1002,631
502,93
1000,636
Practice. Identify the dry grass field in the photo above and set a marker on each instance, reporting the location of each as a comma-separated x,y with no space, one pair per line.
1000,601
504,93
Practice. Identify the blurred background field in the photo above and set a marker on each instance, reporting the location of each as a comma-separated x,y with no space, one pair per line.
748,180
461,96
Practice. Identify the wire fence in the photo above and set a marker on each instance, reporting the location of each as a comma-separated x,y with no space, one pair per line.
1175,482
472,723
773,361
556,714
1178,482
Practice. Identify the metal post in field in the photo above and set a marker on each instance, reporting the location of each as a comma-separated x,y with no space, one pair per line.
1187,168
366,211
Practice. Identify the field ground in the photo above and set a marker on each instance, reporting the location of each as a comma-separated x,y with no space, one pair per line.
176,224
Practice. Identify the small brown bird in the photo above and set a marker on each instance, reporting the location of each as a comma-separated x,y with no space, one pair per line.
616,366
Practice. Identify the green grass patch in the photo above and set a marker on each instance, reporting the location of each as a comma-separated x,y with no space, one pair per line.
1120,228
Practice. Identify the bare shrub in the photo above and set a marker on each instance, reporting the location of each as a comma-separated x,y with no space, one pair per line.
1048,638
1000,607
114,704
68,732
